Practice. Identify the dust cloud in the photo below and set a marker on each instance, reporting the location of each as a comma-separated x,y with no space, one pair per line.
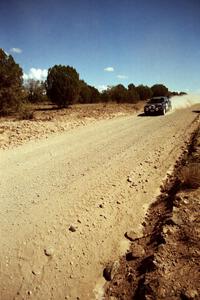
180,102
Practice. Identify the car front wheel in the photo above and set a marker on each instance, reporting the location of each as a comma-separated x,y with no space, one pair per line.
164,111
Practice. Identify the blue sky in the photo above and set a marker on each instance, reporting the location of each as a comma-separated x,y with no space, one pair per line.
107,41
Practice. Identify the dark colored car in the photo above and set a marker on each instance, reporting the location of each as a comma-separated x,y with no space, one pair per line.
158,105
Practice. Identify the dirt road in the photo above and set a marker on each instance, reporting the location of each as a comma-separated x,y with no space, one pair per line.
100,180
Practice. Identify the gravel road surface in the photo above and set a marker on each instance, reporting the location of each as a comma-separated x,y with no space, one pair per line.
67,201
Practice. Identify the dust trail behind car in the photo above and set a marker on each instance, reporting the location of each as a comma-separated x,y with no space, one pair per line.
180,102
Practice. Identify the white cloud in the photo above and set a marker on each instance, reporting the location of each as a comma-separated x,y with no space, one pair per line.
36,74
122,76
102,87
16,50
109,69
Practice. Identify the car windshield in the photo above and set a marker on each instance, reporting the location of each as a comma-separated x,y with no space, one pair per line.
157,100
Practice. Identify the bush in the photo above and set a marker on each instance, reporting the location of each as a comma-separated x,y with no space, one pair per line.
159,90
144,92
26,113
62,85
10,84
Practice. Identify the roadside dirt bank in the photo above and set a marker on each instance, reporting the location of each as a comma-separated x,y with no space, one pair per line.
48,120
67,201
164,262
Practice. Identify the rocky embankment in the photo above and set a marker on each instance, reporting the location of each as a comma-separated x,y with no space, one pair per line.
163,263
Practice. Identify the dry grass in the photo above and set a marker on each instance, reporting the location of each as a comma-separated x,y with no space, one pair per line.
190,175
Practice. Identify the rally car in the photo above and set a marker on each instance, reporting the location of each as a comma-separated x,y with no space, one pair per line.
158,105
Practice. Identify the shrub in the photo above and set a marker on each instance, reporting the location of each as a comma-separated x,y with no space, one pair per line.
26,113
10,84
62,85
159,90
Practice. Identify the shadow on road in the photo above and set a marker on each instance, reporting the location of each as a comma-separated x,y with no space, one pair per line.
143,115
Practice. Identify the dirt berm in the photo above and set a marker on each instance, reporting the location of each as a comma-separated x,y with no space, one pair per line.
164,263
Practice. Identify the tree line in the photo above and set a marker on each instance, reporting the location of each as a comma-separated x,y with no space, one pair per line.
62,87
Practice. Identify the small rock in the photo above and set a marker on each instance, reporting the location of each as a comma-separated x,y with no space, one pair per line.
101,205
72,228
111,270
118,202
129,179
144,224
191,294
29,293
176,219
49,251
36,272
136,252
132,235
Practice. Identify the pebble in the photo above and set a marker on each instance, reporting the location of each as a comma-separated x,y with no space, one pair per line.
29,293
72,228
176,219
129,179
111,270
49,251
132,235
136,252
191,294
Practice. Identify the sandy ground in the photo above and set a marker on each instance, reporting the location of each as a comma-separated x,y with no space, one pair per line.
67,201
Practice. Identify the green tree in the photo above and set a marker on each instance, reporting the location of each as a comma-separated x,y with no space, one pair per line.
85,93
119,93
133,95
10,84
35,90
95,95
105,96
62,85
159,90
131,86
144,92
88,93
